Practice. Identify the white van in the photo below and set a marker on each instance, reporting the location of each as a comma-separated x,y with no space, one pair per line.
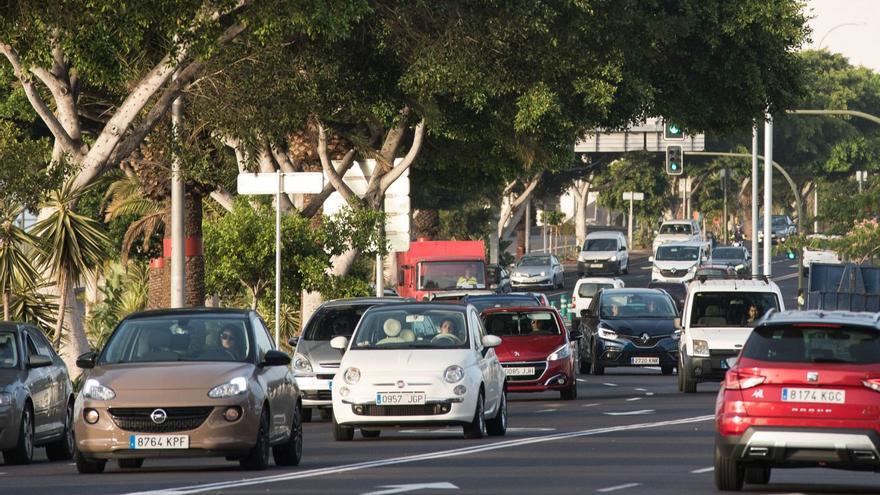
678,262
717,319
603,252
677,231
586,288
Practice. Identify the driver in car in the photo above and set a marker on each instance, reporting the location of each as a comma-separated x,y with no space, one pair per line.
447,332
230,340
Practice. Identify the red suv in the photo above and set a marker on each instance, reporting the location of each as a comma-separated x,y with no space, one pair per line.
536,349
805,392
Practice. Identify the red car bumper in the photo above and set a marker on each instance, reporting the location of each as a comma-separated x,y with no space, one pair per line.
556,375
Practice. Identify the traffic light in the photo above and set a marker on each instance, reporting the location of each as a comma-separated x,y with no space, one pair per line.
791,254
672,131
674,159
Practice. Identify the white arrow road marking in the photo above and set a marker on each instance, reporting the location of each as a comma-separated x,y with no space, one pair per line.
412,487
704,470
428,456
631,413
618,487
610,384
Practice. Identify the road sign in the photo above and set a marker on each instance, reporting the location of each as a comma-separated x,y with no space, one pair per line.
635,196
267,183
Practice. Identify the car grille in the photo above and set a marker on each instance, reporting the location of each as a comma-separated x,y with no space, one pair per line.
539,366
329,364
179,418
638,342
324,376
317,395
413,410
673,272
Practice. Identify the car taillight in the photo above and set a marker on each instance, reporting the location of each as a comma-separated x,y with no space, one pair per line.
742,379
872,383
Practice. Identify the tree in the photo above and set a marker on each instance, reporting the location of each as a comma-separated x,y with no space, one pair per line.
16,250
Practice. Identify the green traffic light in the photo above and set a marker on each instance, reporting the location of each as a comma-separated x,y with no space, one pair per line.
674,129
791,255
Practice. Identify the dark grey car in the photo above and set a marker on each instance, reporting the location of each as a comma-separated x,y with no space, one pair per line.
36,396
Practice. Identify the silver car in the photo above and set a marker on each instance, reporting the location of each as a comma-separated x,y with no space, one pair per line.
538,270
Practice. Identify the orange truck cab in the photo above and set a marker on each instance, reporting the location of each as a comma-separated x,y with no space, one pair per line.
433,267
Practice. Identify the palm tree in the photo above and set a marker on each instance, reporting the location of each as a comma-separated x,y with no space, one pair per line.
15,262
71,244
126,197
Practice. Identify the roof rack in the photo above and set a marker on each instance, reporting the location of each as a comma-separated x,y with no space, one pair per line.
748,276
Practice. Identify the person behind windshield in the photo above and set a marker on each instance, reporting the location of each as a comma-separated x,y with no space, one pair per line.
752,316
612,310
468,280
230,340
447,332
536,326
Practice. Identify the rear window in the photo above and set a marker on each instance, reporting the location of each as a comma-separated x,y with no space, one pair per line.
522,324
814,344
731,309
590,289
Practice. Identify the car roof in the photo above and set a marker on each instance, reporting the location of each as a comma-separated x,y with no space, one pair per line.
519,309
685,243
188,312
680,221
351,301
496,297
732,284
597,280
821,316
458,305
604,234
630,290
9,325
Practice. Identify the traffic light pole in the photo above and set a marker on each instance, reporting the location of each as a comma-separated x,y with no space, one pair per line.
754,234
768,195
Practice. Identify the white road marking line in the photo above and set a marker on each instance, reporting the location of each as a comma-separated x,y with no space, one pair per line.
610,384
475,449
590,405
581,380
630,413
618,487
704,470
785,277
640,390
649,393
456,431
633,399
546,410
412,487
527,430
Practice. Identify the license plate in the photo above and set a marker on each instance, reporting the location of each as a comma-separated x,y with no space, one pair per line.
400,398
512,371
596,265
158,441
819,395
645,360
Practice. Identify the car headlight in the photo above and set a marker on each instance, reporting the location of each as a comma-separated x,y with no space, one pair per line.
612,259
562,353
453,374
701,348
692,269
607,334
352,376
581,259
94,390
5,398
302,364
543,274
236,386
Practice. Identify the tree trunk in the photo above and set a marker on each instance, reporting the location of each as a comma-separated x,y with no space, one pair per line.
195,258
77,342
580,212
62,305
6,305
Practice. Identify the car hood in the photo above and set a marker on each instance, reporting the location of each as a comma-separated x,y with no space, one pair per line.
671,238
405,362
169,375
319,353
528,347
638,326
676,265
597,255
532,270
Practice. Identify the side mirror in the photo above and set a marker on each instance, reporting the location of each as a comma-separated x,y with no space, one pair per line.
275,358
676,323
39,361
293,341
650,259
586,313
622,248
491,341
575,335
86,361
340,343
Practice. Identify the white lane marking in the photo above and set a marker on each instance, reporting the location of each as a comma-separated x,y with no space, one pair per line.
591,404
704,470
640,390
649,393
649,267
546,410
456,431
633,399
610,384
475,449
618,487
581,380
785,277
527,430
412,487
630,413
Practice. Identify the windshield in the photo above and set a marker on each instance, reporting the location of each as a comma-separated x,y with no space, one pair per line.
728,254
600,245
8,350
411,328
446,275
676,228
589,289
535,261
522,324
677,253
185,338
503,302
775,222
338,321
636,305
804,343
730,309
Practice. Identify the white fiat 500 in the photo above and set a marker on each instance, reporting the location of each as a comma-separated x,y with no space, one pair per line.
419,365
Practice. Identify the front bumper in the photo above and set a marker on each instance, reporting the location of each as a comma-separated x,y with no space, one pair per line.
531,282
621,353
549,375
598,266
659,276
708,369
316,390
443,407
841,448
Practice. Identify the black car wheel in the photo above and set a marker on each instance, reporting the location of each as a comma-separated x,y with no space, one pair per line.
477,427
290,452
307,414
23,452
371,433
258,458
729,474
686,384
497,426
571,392
757,475
130,463
595,367
62,449
666,370
342,433
85,465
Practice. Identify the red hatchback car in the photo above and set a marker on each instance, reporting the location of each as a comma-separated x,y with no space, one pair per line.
805,392
536,349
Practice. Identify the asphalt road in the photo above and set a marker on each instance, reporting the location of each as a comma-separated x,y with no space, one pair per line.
629,432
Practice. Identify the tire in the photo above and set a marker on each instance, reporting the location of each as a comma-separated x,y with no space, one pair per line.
62,449
88,466
258,458
729,474
596,368
371,433
666,370
583,365
290,452
130,463
23,452
497,426
307,414
757,475
626,270
477,427
570,393
342,433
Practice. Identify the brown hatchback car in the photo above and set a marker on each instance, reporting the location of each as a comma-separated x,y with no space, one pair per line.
188,382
